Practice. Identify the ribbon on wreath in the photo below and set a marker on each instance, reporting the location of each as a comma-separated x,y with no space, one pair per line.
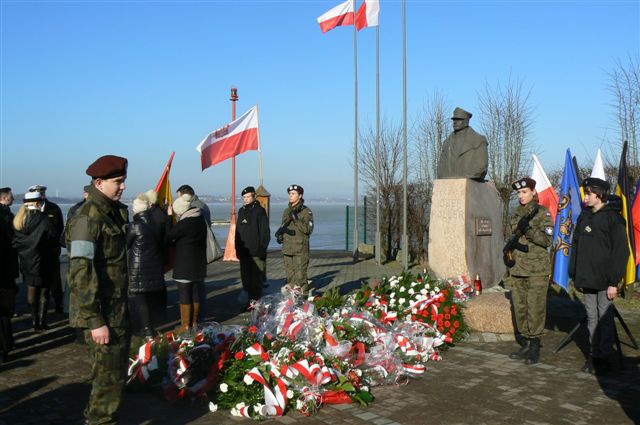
145,363
275,398
314,373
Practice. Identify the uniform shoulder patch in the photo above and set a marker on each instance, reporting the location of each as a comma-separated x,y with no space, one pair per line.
548,230
548,214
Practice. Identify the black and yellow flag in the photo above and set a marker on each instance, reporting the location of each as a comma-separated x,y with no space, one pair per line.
624,192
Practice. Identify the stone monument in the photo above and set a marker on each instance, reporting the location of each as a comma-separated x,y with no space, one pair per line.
465,230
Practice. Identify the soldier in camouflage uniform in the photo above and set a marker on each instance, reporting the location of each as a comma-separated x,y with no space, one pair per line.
529,277
96,238
293,234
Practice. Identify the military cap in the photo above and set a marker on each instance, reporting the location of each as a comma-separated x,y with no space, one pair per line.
596,182
32,197
108,166
461,114
297,188
37,188
5,189
524,182
248,189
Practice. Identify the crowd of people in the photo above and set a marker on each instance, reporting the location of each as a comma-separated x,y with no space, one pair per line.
116,286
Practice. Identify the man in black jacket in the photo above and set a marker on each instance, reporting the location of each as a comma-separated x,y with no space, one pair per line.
598,263
252,240
54,214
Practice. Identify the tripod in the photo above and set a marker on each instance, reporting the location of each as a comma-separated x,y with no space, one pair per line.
634,343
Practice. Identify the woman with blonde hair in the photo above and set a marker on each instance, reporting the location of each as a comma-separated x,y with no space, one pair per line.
33,239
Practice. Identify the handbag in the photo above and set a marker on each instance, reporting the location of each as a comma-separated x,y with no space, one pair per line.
214,252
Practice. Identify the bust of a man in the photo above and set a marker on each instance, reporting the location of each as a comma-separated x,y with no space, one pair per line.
464,153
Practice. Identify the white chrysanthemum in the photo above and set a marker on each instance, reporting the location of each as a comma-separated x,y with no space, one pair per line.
299,404
426,286
392,284
392,295
392,302
290,394
411,291
248,380
358,372
437,289
224,388
213,407
423,291
433,294
413,284
364,388
401,301
235,412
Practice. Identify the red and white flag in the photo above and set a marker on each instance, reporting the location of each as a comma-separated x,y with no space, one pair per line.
341,15
233,139
367,15
547,195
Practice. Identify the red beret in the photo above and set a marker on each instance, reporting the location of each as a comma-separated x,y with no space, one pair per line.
107,167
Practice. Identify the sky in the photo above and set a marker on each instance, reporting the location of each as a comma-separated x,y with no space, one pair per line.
141,79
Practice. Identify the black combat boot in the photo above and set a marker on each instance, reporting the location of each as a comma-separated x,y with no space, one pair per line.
522,352
35,317
533,356
44,307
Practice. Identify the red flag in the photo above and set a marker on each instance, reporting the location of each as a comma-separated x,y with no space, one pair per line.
368,14
233,139
163,189
341,15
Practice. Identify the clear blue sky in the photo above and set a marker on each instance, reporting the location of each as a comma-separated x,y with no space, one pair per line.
144,78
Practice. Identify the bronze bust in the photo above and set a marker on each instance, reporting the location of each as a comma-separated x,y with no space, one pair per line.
464,153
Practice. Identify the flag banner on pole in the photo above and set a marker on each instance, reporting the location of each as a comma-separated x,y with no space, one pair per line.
546,193
624,192
635,214
569,209
598,167
163,188
341,15
368,14
233,139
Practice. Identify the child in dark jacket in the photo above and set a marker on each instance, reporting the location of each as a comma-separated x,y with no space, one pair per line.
598,263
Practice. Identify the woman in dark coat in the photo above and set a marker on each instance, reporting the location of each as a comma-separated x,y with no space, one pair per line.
145,247
33,239
189,235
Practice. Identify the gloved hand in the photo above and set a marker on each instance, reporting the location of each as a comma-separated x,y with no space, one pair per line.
279,238
521,247
290,231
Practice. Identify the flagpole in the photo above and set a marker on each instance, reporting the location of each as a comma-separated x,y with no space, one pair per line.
378,241
230,247
355,140
405,245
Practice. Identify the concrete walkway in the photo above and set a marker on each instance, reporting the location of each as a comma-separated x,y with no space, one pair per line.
46,378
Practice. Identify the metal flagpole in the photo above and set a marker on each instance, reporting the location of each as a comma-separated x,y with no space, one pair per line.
230,247
405,245
355,139
378,246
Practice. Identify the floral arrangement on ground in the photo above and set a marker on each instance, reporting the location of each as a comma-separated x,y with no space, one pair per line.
302,353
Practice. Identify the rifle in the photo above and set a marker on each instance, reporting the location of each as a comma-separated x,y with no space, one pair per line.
513,244
285,226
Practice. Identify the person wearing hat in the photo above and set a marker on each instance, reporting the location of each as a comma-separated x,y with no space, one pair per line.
464,152
293,234
9,271
532,225
98,280
53,212
252,239
189,236
145,246
33,239
597,265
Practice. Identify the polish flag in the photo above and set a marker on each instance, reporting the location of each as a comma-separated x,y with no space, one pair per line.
341,15
367,15
598,167
546,193
233,139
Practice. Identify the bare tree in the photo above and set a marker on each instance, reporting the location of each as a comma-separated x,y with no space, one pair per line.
624,86
505,119
391,156
431,129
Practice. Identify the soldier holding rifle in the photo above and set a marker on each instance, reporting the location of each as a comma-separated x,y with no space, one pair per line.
527,256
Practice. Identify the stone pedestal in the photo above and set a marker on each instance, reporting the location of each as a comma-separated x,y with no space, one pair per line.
465,230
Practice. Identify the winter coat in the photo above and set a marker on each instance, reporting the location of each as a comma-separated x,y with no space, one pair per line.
600,247
9,269
189,235
538,237
145,244
252,231
35,245
296,237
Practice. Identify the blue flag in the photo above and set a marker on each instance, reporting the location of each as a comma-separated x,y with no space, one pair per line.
568,211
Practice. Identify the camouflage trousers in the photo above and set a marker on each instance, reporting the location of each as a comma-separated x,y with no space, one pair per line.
296,268
108,375
529,297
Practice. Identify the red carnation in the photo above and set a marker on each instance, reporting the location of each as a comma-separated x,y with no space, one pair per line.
265,356
447,316
456,324
447,309
239,355
253,329
447,324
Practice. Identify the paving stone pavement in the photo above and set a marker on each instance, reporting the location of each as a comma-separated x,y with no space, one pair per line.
45,380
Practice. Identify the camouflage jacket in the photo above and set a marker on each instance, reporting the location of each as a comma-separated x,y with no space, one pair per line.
538,238
298,243
96,239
